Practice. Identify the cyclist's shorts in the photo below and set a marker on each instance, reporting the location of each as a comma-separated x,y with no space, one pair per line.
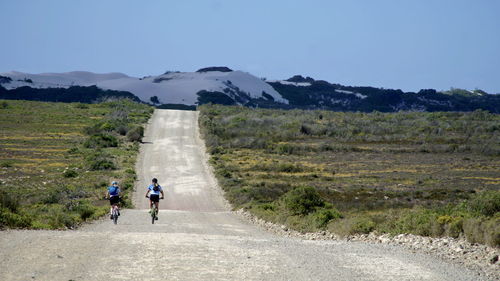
154,197
114,200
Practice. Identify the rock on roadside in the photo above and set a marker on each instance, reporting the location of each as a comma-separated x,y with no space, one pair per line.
477,257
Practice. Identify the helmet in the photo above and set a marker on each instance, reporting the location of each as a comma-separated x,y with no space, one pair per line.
114,182
155,180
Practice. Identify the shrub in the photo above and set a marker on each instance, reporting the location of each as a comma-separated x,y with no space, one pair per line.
101,140
102,164
81,106
482,230
323,216
9,201
486,203
302,200
420,222
100,160
352,225
73,150
6,164
70,174
289,168
4,104
135,134
8,218
122,130
85,210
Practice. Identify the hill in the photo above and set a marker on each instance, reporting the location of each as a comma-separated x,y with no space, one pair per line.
172,87
307,93
222,85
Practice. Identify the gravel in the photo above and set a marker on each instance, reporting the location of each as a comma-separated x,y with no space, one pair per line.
475,257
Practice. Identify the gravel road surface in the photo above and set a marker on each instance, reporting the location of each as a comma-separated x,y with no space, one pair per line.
197,237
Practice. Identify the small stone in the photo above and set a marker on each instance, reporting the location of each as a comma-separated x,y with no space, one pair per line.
494,259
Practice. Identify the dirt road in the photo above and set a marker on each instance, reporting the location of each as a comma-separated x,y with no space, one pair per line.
197,237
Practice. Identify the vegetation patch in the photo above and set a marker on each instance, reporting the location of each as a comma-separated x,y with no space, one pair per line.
56,160
424,173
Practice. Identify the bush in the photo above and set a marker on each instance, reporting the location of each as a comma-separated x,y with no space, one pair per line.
6,164
482,230
289,168
81,106
8,218
122,130
100,160
486,203
323,216
302,200
9,201
100,141
135,134
352,225
419,222
70,174
85,210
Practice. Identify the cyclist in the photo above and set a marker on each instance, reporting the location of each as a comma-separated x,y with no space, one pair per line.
154,190
113,194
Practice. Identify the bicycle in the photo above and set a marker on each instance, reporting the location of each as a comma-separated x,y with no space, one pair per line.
154,212
115,214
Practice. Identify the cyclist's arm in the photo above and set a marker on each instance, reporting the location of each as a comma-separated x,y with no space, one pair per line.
106,195
162,195
147,192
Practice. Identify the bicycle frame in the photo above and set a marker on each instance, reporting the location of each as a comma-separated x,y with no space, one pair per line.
114,214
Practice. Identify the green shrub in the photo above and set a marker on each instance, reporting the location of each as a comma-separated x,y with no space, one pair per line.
100,141
81,106
323,216
40,225
85,210
302,200
135,134
6,164
9,201
102,164
483,230
419,222
10,219
454,228
289,168
352,225
486,203
100,160
122,130
73,150
70,174
58,217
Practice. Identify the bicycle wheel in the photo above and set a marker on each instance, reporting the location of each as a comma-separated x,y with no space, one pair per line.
153,214
115,216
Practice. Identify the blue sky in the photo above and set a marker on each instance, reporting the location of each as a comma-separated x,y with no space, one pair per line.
398,44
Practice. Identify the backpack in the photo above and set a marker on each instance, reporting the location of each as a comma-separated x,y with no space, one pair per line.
156,188
114,190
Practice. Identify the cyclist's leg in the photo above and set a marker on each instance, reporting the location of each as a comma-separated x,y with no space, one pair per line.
111,209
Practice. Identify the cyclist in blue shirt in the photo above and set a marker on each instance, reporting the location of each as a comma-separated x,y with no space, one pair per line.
113,194
154,191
